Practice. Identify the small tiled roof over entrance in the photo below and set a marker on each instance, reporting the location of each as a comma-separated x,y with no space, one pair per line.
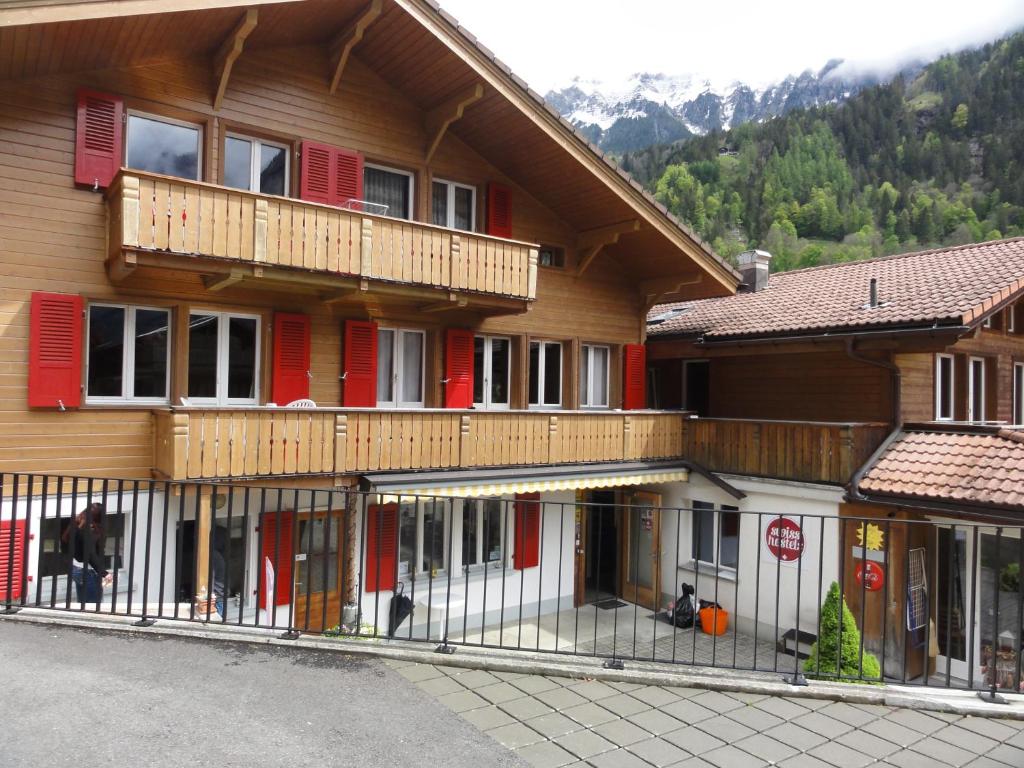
971,466
950,286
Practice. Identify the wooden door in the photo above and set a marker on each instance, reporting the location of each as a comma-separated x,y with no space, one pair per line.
317,571
641,549
580,551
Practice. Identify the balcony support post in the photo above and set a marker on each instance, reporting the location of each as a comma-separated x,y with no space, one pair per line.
204,524
628,449
259,231
129,211
179,446
467,448
366,248
531,278
554,449
340,442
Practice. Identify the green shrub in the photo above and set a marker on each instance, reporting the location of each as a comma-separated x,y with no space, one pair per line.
826,662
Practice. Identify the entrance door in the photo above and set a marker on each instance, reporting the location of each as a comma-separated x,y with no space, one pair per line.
642,549
951,610
317,572
598,574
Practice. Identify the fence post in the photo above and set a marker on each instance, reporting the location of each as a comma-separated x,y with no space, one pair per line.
340,442
627,439
129,210
467,446
531,278
455,263
179,446
554,449
366,248
259,232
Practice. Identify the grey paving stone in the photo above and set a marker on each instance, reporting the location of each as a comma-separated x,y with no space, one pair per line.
725,729
655,721
693,762
440,685
486,718
624,705
841,756
499,693
804,761
965,738
747,698
509,676
620,758
812,704
655,697
552,725
625,687
525,708
594,690
908,758
822,725
867,743
418,672
683,692
767,748
545,754
989,726
985,762
560,698
732,757
1017,740
944,752
475,678
720,702
693,740
534,684
590,714
787,709
688,711
658,752
878,710
915,720
1006,753
847,713
801,738
621,732
515,735
898,734
584,744
754,718
461,701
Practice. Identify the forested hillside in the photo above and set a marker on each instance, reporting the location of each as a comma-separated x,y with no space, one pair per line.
934,161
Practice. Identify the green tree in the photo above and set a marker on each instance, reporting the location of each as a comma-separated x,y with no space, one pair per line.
959,120
836,655
683,195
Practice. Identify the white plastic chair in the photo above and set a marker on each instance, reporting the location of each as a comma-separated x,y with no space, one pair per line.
301,404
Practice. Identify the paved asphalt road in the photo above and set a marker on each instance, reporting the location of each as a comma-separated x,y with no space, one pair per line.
72,697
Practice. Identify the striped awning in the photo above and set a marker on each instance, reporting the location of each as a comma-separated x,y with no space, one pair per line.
511,480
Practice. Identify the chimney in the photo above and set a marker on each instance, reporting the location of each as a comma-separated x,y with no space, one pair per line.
753,267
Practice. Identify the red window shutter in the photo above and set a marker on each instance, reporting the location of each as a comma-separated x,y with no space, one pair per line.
499,210
348,176
458,346
527,544
12,569
99,138
276,528
291,358
381,547
360,376
55,351
634,377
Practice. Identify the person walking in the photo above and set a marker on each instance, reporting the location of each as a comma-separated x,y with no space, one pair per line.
84,539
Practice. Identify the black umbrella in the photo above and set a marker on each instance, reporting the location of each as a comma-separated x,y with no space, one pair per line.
401,609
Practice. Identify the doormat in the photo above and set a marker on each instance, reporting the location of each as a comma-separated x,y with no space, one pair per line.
607,605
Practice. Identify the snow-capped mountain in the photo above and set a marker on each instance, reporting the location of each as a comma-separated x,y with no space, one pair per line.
655,108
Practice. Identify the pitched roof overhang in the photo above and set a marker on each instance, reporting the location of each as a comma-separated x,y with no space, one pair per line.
425,54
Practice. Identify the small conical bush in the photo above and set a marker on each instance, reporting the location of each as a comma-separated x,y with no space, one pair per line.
830,662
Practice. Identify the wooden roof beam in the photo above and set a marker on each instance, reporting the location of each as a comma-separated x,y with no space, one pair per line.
443,115
657,289
219,282
349,37
592,241
229,51
455,301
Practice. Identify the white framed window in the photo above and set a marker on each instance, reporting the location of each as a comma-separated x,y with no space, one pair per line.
390,187
454,205
485,525
492,372
715,539
976,389
127,354
423,530
987,322
400,368
1018,393
551,256
594,376
545,374
163,145
256,165
223,358
944,388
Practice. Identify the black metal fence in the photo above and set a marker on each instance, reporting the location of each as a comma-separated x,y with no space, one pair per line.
926,602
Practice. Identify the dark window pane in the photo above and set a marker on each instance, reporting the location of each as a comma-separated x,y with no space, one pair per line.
729,537
500,356
585,354
552,374
242,358
407,539
463,209
703,532
237,163
412,367
151,352
469,532
385,365
202,356
600,368
273,163
534,373
164,148
478,369
387,188
106,352
492,530
440,204
434,552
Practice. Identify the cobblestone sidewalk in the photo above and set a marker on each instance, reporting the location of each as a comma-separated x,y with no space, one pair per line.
558,721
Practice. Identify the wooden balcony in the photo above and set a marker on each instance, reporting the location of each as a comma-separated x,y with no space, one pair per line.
240,236
813,452
222,443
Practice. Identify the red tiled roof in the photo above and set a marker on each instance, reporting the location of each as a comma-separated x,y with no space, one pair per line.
970,468
950,286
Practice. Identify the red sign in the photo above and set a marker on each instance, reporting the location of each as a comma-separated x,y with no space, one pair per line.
870,575
785,539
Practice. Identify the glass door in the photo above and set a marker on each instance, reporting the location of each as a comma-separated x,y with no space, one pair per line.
999,601
318,571
952,607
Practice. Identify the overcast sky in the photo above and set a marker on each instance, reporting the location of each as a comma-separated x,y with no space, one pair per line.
548,42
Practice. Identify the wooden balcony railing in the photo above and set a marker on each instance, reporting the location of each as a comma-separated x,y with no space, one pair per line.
162,214
200,443
813,452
